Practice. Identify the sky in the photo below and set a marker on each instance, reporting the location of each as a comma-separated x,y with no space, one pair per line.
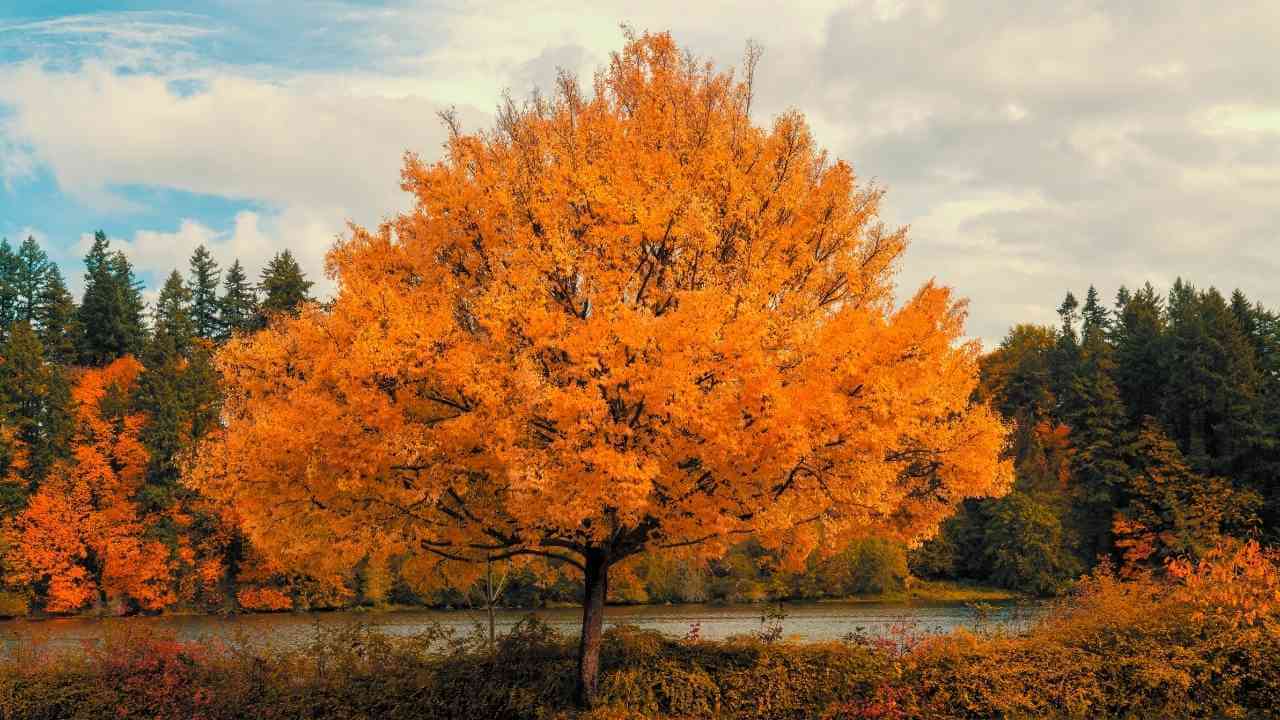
1033,147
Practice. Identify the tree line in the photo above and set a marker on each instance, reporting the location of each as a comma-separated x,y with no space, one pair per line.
100,401
1141,432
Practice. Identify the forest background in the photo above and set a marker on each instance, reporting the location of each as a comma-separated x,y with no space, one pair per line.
1142,429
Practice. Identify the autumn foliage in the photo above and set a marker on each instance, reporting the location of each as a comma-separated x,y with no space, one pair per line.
84,538
619,321
81,534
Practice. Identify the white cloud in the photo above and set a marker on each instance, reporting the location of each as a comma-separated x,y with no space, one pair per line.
17,162
1034,147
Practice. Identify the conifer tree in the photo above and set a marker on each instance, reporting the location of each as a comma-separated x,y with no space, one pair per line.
34,399
1140,339
1066,351
1262,329
238,307
203,283
1236,422
30,271
173,327
110,315
57,319
1213,409
8,290
1094,317
1170,510
1096,418
284,287
177,392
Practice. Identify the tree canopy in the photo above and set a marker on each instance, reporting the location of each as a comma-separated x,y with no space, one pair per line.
619,321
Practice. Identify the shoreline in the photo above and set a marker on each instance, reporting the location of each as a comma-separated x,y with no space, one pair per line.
922,592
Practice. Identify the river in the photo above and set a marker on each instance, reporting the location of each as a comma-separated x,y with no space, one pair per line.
802,622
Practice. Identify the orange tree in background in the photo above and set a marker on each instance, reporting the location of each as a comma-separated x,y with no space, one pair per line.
81,537
618,322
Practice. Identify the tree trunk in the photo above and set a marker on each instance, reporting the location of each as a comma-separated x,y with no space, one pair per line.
489,600
596,579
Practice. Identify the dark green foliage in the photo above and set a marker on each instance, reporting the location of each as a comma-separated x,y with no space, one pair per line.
203,282
30,268
1141,352
1179,512
177,392
173,329
1097,422
1156,427
111,313
1024,547
57,319
238,307
34,402
284,287
8,288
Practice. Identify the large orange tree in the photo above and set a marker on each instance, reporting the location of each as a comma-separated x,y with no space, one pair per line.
622,320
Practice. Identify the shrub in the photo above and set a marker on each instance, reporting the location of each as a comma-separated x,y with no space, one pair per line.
1203,641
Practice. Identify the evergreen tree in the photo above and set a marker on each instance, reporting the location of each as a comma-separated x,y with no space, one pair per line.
1170,510
1094,317
1096,418
8,288
177,391
1262,329
238,308
1214,407
284,287
1236,427
35,399
173,328
57,318
1141,352
30,271
1066,352
110,315
204,278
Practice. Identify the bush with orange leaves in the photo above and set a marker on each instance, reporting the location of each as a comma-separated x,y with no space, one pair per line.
1235,584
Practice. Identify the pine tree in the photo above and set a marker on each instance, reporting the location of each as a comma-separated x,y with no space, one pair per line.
177,392
1190,374
57,318
1170,510
1096,417
1094,317
31,268
203,282
284,287
36,399
238,308
173,328
1141,352
1066,354
1236,427
1215,408
1262,329
110,315
8,289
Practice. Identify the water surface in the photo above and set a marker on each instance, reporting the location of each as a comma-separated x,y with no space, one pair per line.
803,622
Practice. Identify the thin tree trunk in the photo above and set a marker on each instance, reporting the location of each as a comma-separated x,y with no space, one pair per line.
596,582
490,599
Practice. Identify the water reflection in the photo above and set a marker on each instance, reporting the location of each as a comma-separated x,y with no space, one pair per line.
803,622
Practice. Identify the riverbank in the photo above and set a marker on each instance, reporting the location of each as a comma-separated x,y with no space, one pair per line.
918,591
1205,644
